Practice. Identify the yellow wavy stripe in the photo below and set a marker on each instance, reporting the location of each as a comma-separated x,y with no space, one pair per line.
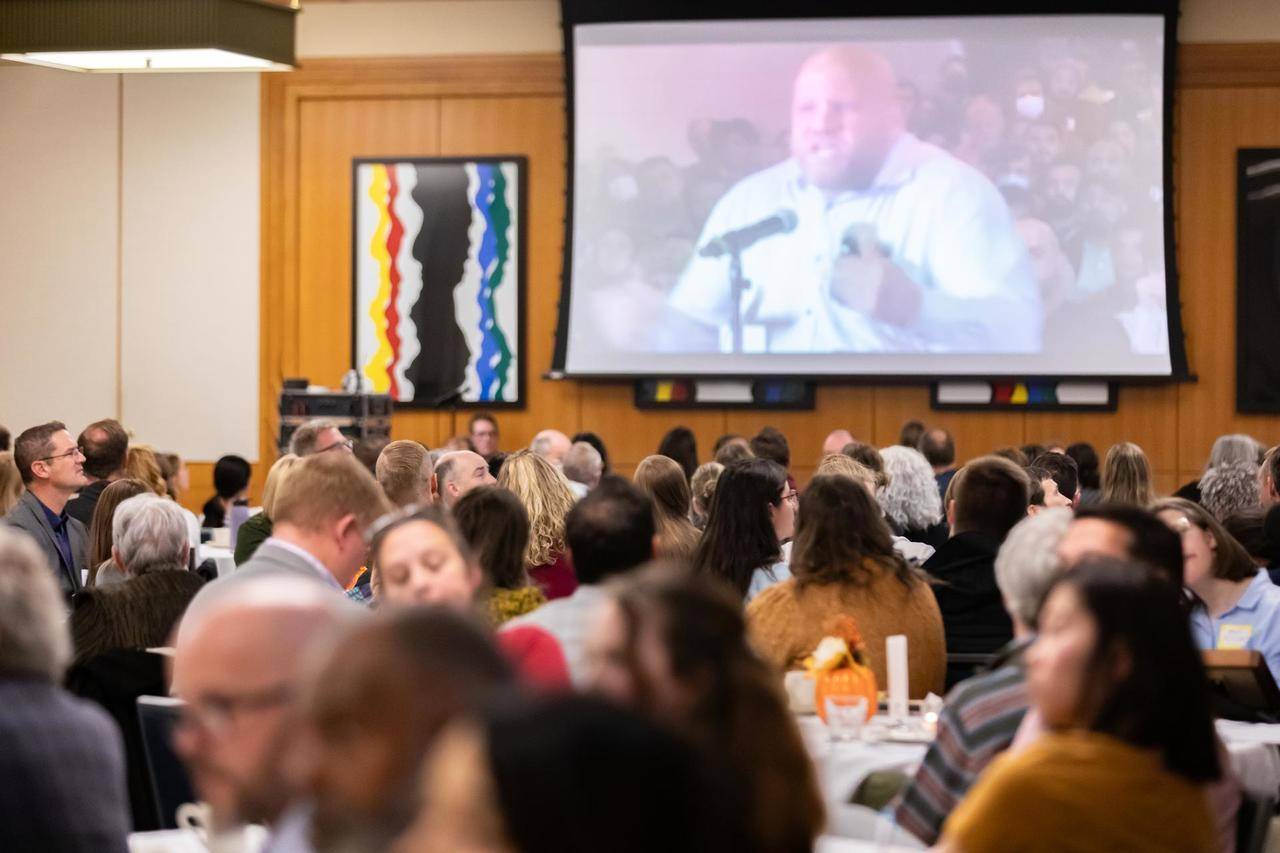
376,367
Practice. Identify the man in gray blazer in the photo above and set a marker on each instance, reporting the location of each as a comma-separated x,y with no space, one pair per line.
52,469
318,526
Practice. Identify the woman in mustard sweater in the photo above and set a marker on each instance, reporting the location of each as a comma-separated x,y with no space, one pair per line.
1130,743
844,564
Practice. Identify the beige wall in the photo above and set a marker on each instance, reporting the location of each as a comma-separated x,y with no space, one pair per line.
129,255
442,27
58,206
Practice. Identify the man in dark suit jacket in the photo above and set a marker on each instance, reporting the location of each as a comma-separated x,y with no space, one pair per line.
52,469
105,446
61,760
989,497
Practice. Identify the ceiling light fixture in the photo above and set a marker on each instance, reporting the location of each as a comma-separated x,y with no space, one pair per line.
121,36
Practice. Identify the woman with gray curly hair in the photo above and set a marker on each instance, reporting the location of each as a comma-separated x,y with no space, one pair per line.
910,500
1228,489
1232,449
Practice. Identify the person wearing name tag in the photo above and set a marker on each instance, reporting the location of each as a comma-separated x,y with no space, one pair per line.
1236,604
865,239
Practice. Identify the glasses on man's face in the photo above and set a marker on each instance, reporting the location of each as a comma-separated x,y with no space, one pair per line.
347,445
73,452
792,496
218,713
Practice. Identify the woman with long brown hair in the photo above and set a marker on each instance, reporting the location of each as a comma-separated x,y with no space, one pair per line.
844,564
662,480
101,569
1126,476
674,645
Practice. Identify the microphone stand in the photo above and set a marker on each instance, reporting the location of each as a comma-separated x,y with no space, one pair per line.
738,285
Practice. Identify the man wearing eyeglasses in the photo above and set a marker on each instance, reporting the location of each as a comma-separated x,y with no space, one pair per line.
52,469
238,662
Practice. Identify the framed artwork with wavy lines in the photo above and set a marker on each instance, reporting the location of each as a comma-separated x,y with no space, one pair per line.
437,279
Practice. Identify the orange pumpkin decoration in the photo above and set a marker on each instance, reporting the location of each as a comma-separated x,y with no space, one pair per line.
851,677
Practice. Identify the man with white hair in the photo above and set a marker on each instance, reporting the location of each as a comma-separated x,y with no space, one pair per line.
552,445
238,665
62,760
148,533
583,467
459,472
982,714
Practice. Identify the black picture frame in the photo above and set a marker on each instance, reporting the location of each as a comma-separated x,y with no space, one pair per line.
1257,280
519,324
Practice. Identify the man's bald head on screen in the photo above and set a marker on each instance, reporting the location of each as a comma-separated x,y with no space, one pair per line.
845,117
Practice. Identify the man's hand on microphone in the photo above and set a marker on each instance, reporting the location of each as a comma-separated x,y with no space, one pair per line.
866,281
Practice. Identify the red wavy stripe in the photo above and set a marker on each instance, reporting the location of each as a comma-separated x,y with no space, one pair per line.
393,248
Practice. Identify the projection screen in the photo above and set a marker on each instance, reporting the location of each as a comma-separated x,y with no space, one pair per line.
959,196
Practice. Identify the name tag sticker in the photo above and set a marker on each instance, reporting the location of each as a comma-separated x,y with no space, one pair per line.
1234,636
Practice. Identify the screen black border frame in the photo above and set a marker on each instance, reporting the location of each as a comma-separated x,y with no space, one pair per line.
574,12
522,204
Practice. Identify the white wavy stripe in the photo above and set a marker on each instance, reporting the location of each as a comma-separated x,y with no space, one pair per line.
410,216
507,302
468,289
367,270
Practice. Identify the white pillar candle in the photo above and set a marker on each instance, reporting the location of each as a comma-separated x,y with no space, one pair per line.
896,654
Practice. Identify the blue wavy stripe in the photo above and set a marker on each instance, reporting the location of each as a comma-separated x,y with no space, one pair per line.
494,364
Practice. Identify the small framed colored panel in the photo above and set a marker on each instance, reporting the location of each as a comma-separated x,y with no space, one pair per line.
1015,395
776,394
438,280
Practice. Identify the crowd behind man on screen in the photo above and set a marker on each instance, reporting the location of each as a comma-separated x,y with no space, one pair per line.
1057,157
1060,606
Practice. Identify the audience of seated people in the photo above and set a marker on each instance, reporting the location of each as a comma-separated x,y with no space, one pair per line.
1065,625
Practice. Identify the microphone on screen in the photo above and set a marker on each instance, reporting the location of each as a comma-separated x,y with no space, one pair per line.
782,222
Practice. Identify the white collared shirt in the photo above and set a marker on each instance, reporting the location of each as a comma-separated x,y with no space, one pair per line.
306,556
938,219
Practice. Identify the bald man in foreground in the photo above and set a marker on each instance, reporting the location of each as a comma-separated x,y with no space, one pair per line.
898,246
238,663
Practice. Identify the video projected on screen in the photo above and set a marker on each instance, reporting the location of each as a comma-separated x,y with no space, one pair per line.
960,196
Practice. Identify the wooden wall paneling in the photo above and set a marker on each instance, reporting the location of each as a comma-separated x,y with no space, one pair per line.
1212,124
534,127
975,433
333,131
1146,415
200,475
631,434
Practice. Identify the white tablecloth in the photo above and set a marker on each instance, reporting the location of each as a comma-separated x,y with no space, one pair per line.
222,557
1255,755
1254,752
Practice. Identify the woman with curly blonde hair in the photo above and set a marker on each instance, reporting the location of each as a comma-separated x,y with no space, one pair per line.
547,498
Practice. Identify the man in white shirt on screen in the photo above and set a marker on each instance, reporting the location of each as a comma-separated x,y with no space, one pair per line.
897,247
